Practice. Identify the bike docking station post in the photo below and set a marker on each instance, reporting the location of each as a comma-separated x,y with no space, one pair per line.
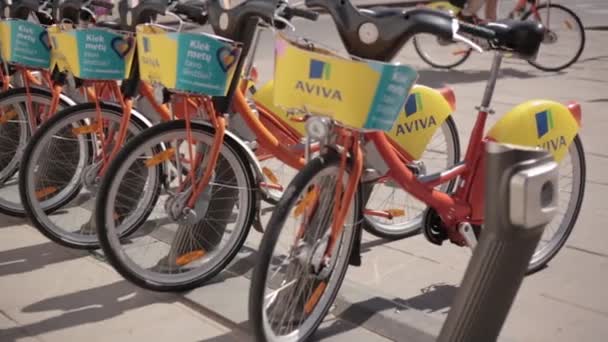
520,200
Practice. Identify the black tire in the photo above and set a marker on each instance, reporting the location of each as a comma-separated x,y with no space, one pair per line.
427,60
60,118
539,264
113,256
17,92
581,47
270,239
408,232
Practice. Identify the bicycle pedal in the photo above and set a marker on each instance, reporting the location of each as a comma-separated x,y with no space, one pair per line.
257,225
466,229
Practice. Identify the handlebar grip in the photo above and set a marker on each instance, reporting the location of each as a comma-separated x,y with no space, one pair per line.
302,13
102,4
476,30
194,13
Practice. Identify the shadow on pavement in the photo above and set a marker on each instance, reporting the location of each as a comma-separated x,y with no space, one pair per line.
598,100
368,245
435,298
30,258
240,266
327,329
439,78
87,306
240,333
589,59
8,221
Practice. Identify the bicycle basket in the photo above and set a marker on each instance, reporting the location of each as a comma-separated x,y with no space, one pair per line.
361,94
24,43
186,61
92,53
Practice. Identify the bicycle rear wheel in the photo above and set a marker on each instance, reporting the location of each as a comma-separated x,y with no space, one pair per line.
171,248
572,175
442,152
564,39
294,283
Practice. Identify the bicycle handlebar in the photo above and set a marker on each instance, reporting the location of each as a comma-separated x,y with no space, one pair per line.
291,12
195,13
102,4
477,31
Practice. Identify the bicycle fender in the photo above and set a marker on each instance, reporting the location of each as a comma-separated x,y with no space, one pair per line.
67,99
265,97
539,123
424,111
255,164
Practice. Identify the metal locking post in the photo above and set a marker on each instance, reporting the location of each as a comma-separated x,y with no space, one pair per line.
521,198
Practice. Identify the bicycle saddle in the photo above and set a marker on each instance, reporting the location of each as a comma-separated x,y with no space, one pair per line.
68,10
231,23
521,37
21,9
380,11
380,33
145,11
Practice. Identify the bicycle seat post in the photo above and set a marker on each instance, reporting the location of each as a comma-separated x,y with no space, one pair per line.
491,85
253,50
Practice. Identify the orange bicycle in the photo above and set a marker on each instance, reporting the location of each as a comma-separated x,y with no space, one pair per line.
32,92
312,233
196,226
64,160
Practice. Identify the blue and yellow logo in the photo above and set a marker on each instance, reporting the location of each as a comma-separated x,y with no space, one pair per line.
413,104
544,123
146,44
319,70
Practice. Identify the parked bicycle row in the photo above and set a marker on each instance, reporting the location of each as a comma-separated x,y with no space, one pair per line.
154,141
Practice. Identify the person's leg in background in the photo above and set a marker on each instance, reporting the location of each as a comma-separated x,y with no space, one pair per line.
473,6
491,10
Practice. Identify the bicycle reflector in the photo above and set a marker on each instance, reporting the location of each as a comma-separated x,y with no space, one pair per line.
317,127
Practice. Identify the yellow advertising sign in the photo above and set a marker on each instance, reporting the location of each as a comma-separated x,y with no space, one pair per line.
95,53
186,61
359,94
538,123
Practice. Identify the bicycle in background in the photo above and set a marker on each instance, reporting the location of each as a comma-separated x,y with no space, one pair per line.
562,45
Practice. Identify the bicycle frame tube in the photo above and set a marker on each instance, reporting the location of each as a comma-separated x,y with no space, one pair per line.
219,123
452,209
343,199
264,136
146,91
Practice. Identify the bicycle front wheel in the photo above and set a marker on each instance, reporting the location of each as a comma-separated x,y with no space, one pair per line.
564,38
60,167
295,281
14,136
170,246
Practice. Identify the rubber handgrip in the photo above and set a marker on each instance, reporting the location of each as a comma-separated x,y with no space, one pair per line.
477,31
302,13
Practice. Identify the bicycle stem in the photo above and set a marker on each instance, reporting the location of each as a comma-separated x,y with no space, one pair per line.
491,85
